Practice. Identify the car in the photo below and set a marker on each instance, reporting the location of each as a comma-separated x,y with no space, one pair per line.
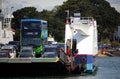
1,45
50,51
11,49
4,54
117,48
60,45
17,43
49,55
26,52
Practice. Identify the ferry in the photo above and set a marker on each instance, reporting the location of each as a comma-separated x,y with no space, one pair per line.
80,37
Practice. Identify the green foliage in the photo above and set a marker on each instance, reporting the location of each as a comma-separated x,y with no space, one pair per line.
55,25
27,12
107,17
115,44
17,34
106,41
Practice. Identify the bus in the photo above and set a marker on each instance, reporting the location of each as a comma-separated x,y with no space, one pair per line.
34,33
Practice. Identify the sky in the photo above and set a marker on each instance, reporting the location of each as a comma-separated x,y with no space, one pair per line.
43,4
39,4
115,3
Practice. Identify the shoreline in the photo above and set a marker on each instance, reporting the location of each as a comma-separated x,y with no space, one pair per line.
110,53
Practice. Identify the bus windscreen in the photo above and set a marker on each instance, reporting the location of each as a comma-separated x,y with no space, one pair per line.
31,25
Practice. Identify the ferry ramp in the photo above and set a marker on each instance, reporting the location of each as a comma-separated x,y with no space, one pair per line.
34,66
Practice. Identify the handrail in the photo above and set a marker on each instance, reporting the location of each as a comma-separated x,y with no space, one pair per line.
63,55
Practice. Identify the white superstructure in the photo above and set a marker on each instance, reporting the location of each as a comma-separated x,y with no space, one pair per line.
84,31
81,35
6,33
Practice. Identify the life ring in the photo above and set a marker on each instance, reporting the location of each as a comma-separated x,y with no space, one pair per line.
83,60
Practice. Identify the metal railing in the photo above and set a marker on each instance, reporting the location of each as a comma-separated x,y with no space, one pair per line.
63,55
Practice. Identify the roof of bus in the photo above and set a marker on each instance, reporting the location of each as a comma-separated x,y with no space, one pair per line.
33,20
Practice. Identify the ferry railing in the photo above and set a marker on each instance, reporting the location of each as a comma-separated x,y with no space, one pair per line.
83,20
86,20
63,55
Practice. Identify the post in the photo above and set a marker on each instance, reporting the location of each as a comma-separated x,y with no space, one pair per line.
11,16
68,13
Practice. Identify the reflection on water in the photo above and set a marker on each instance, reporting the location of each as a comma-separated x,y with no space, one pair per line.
53,77
66,76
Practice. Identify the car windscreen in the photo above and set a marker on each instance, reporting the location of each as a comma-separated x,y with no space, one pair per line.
49,55
25,55
50,50
26,51
2,54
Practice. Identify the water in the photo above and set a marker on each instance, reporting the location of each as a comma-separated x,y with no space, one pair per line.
53,77
108,68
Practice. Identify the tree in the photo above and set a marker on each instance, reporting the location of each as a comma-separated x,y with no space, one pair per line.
107,17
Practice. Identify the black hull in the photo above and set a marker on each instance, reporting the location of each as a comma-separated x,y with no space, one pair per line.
31,69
